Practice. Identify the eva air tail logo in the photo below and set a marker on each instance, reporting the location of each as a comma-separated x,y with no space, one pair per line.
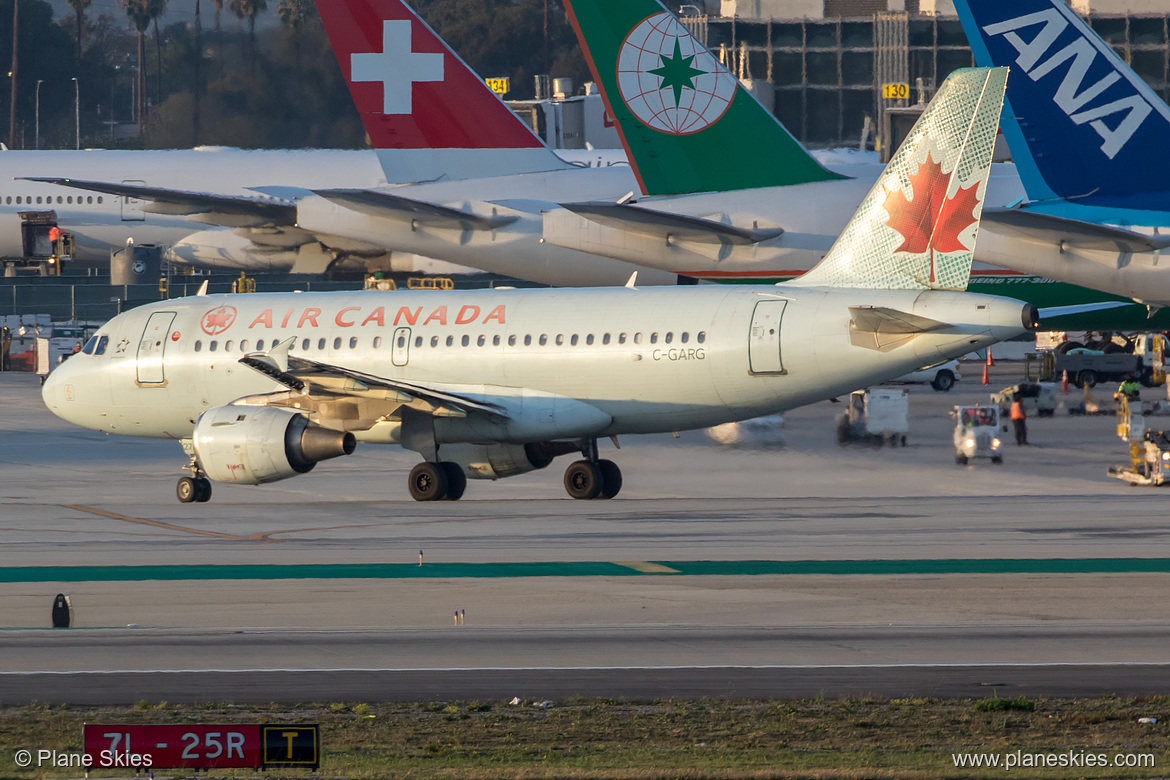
670,82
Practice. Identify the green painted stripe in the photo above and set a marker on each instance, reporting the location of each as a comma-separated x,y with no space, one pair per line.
395,571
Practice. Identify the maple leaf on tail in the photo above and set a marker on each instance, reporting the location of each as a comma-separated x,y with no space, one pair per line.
930,221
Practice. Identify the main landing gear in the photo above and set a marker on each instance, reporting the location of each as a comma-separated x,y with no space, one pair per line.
592,477
195,488
440,481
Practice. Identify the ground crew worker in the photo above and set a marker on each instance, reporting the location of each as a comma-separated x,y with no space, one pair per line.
54,235
1130,388
1019,420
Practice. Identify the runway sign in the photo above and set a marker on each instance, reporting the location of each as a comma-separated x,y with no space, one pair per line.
219,746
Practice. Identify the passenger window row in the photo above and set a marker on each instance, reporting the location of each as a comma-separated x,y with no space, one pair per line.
48,199
480,341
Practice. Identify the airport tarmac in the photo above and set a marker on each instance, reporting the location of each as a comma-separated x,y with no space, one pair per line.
834,569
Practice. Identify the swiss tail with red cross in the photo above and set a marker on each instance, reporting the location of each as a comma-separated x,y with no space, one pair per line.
426,113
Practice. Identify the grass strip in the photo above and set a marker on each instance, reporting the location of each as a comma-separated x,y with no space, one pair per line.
580,738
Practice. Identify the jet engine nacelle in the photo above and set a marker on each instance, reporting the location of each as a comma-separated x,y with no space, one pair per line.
494,461
251,445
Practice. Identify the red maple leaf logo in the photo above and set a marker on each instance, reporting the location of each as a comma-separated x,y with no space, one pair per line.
931,222
218,320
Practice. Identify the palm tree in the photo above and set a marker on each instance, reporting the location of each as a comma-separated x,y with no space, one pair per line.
294,13
142,13
249,9
79,7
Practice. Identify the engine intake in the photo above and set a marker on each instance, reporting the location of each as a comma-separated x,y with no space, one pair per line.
252,445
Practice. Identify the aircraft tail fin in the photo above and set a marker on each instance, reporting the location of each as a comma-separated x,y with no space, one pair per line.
687,123
916,229
427,114
1082,126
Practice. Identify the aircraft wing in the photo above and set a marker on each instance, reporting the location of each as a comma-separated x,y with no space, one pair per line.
210,208
1072,233
420,212
303,375
668,226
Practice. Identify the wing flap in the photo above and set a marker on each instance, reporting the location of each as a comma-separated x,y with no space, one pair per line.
301,374
670,227
187,203
397,207
1073,233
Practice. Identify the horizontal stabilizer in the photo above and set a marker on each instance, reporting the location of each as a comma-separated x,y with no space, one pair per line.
182,202
1070,233
670,227
383,204
881,319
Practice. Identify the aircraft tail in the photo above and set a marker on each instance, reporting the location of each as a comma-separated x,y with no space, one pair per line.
426,113
916,229
687,123
1081,124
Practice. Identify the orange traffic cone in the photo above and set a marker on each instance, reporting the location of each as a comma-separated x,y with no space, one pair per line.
985,379
1064,381
990,359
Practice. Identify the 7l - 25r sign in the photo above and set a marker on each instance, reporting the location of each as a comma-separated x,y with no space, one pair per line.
209,746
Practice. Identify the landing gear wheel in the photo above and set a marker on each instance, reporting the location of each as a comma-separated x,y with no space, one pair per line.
186,491
456,480
583,480
202,490
997,460
611,478
428,482
961,459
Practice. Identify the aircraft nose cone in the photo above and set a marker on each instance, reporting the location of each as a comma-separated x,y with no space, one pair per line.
52,390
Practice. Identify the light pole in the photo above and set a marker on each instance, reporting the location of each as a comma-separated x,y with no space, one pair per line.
37,142
77,110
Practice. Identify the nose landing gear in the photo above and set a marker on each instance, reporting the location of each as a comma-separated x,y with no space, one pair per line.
195,488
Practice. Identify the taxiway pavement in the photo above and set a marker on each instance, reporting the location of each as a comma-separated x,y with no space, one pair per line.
74,498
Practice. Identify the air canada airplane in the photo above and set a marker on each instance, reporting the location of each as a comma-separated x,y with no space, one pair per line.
491,383
696,141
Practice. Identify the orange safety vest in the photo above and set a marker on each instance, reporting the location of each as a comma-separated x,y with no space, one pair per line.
1018,411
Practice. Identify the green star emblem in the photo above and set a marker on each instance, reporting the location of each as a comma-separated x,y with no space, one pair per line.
677,72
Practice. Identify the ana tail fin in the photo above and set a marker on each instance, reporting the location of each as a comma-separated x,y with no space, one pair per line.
916,229
427,114
687,123
1080,123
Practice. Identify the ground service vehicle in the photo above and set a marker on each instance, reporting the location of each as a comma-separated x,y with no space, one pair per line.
977,434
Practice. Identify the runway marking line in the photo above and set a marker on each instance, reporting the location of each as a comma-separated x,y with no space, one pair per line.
155,523
523,569
647,567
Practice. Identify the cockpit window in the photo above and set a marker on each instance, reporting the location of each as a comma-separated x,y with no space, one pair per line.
103,342
90,346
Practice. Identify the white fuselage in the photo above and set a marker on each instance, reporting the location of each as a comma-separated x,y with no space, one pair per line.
663,359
